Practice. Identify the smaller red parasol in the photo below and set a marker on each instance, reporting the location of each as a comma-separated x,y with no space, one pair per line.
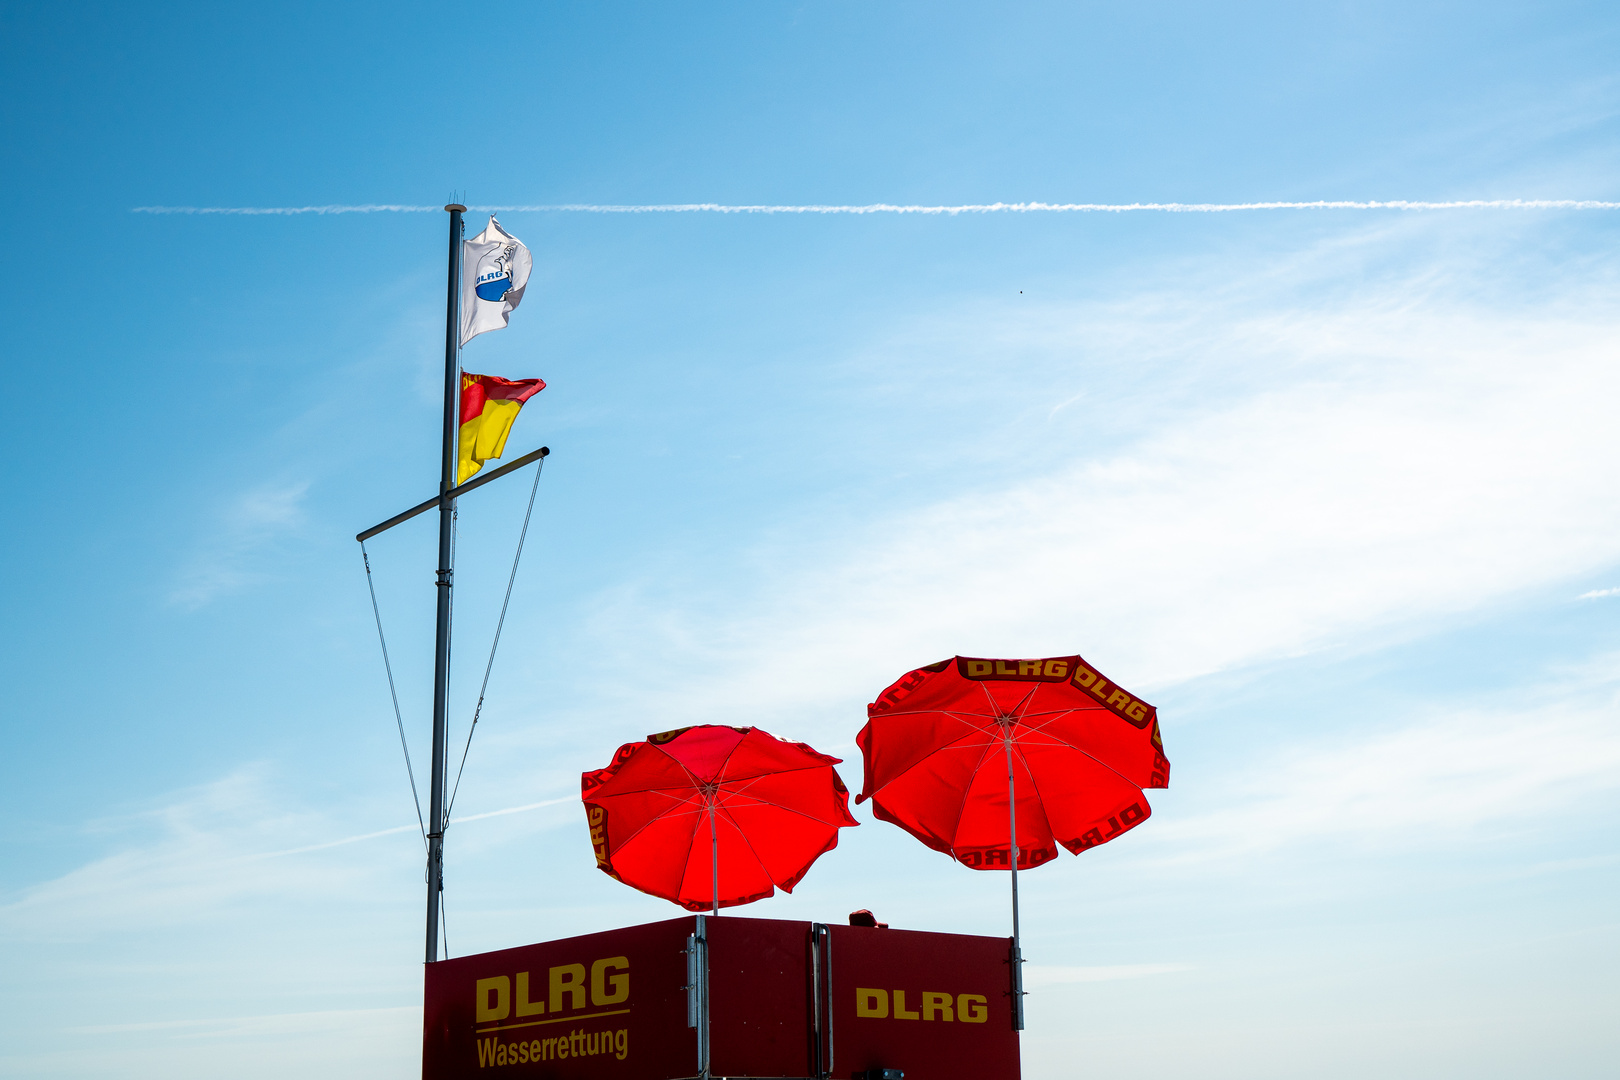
711,817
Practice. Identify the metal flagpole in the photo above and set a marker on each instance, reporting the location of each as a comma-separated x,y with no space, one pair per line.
1017,958
441,643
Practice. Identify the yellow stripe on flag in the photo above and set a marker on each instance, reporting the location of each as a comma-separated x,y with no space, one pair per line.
484,436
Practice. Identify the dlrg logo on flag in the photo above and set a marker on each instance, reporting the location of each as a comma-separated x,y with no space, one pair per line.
494,271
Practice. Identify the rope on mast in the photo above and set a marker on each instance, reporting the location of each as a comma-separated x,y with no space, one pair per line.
444,922
388,666
500,624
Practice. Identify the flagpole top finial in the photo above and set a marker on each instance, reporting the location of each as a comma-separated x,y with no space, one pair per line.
453,207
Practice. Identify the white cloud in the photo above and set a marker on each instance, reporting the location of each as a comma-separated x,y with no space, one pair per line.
231,559
205,849
173,863
270,1024
1442,780
1369,464
379,1043
1369,470
1038,976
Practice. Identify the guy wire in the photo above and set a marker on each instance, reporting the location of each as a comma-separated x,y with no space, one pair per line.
500,624
388,666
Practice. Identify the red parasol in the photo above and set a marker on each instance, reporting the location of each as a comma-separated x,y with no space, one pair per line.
712,817
997,762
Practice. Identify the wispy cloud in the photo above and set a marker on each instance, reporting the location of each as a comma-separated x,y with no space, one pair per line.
200,850
1039,976
1466,775
268,1024
908,208
248,526
1598,594
171,863
1371,462
336,1042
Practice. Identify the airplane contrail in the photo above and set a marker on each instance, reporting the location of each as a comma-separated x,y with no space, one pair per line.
897,208
408,828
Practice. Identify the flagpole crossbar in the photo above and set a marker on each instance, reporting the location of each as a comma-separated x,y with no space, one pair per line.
454,493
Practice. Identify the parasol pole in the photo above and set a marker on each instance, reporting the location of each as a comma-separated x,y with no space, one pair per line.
1017,959
714,858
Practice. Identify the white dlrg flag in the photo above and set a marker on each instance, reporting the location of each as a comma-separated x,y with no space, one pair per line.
494,270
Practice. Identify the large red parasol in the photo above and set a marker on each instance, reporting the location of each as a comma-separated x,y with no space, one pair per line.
997,762
712,817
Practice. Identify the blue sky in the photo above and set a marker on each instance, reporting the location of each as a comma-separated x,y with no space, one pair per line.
1336,490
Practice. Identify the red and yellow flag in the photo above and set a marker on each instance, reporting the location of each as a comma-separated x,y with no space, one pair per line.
489,404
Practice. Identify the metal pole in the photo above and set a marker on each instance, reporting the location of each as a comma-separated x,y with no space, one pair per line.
441,641
700,942
1017,958
714,857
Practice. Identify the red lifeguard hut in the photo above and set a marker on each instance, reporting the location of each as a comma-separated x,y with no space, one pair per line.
702,997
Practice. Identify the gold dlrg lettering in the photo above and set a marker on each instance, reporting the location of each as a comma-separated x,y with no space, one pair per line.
871,1003
525,1007
494,999
597,816
972,1008
875,1004
606,988
568,979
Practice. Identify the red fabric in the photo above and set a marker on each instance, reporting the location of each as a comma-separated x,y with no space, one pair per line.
777,807
935,750
478,389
